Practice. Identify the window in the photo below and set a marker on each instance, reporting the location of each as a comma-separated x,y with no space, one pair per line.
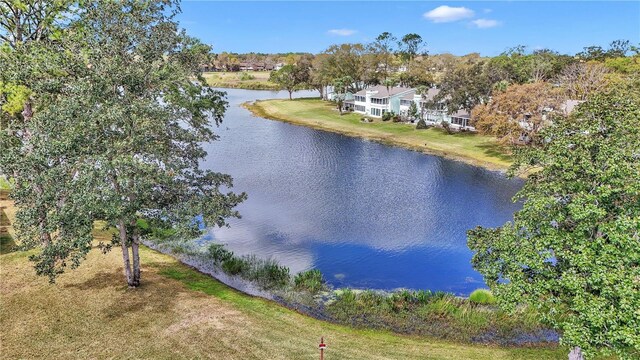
379,101
459,121
360,108
360,98
375,112
406,102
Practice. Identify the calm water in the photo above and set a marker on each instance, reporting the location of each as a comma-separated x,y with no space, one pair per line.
365,214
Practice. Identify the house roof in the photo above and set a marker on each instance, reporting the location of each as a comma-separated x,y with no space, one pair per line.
431,93
383,92
461,114
409,96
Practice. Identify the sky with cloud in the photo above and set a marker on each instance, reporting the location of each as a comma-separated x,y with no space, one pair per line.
455,27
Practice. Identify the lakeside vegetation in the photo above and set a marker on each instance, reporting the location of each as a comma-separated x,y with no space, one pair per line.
187,315
471,148
249,80
422,312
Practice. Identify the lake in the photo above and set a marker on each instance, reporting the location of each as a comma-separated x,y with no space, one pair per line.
366,214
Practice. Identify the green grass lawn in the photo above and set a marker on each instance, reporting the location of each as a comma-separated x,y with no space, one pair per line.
471,148
251,80
179,313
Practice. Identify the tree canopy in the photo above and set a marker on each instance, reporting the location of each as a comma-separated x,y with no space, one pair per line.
119,115
573,251
291,77
519,112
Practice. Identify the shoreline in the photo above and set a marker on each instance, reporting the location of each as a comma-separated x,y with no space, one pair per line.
259,111
314,306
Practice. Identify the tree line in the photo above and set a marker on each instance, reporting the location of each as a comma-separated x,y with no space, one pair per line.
501,92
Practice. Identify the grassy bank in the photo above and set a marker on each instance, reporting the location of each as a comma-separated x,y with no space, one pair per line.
181,313
436,314
471,148
250,80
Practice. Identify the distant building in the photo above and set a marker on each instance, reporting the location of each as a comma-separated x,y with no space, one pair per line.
245,66
378,100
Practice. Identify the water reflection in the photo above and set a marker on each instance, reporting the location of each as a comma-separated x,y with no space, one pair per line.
365,214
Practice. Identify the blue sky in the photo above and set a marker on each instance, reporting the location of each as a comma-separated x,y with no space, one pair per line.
456,27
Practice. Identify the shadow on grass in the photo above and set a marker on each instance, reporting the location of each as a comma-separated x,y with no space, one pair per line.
7,245
497,151
4,219
101,280
131,300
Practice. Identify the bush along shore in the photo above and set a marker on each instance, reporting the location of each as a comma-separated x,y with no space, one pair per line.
437,314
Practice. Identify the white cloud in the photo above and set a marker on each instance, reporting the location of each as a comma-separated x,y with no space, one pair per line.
341,32
486,11
445,13
485,23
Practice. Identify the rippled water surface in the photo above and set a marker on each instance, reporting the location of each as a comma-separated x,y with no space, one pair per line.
365,214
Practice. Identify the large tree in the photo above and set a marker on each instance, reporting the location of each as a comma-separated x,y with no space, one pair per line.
573,252
583,79
519,111
345,60
409,47
290,78
121,116
464,86
383,51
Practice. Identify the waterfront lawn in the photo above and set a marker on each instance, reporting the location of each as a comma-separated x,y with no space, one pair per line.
471,148
181,313
252,80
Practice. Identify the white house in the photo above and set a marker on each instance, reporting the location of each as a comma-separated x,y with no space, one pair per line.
377,100
435,113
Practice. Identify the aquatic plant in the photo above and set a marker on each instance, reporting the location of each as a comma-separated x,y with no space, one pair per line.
482,296
310,280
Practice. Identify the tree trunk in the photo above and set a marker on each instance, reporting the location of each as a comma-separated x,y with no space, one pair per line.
45,237
135,251
290,92
125,253
576,354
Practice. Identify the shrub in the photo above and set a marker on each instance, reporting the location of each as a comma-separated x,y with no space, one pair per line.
444,307
387,116
372,300
423,296
346,296
396,118
246,76
269,274
236,266
482,296
183,248
421,125
218,253
310,280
